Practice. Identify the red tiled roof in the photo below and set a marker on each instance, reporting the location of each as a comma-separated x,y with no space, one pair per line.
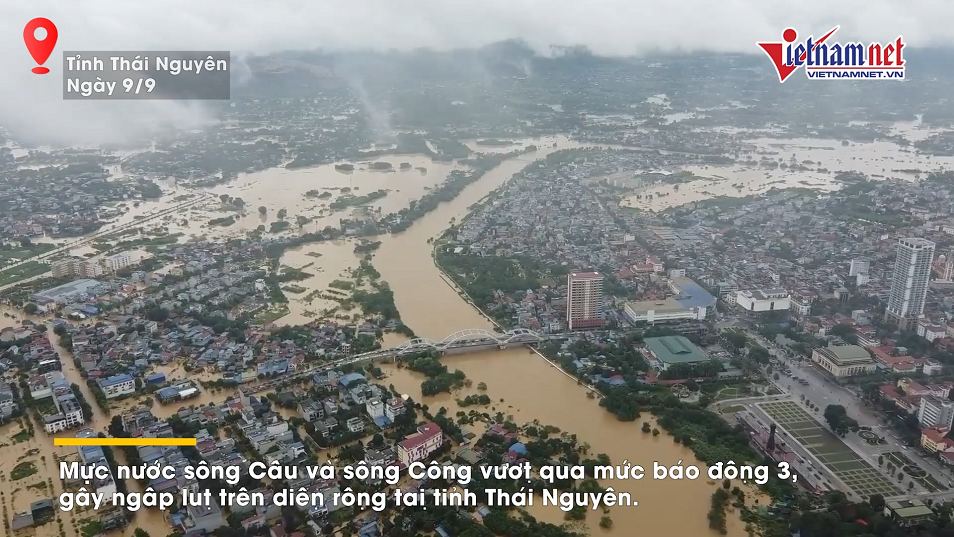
426,431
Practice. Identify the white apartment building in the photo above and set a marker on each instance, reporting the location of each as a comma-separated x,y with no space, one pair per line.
944,267
117,385
118,261
858,266
69,415
935,412
760,300
909,284
394,408
417,447
584,300
76,268
375,408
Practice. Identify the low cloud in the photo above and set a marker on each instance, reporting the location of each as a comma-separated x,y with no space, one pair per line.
33,105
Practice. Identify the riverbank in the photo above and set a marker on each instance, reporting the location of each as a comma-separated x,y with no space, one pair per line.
449,280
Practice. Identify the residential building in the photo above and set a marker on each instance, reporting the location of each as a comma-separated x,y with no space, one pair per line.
76,268
355,425
665,351
858,266
419,446
69,415
117,385
944,267
394,408
760,300
909,284
94,456
8,404
930,331
936,412
118,261
935,440
202,520
584,301
311,410
375,408
844,360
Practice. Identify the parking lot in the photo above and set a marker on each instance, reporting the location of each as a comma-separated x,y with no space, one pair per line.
828,449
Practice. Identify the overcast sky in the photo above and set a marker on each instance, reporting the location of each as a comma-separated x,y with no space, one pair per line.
611,27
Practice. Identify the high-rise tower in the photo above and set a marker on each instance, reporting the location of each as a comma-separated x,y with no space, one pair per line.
909,285
584,300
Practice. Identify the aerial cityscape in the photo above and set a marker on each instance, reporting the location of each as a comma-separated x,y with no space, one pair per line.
491,256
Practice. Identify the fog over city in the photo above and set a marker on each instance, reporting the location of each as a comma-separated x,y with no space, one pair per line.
33,107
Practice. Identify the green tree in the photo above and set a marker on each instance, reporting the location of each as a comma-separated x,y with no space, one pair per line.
31,308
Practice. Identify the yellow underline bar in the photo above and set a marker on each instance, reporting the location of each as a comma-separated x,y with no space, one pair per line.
137,442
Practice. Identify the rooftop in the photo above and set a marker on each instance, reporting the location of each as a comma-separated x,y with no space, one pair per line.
916,242
691,294
909,508
846,354
666,305
426,431
115,379
586,276
675,350
73,288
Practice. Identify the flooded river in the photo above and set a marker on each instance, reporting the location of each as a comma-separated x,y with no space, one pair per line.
530,387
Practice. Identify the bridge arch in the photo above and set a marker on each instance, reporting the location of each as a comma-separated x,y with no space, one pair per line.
416,344
470,334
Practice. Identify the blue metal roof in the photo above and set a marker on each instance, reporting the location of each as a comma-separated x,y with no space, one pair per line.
692,295
351,377
115,379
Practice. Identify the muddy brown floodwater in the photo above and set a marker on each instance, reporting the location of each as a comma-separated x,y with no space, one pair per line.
530,388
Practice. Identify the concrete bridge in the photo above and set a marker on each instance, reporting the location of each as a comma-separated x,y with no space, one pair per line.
462,341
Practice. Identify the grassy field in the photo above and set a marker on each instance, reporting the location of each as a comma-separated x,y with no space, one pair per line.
914,471
23,272
12,254
841,460
271,314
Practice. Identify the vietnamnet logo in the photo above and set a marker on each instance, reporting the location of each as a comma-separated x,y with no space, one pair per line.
824,59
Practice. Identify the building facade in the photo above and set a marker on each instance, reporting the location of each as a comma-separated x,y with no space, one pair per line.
117,385
844,360
760,300
935,412
584,300
858,266
394,408
909,284
416,448
118,261
76,268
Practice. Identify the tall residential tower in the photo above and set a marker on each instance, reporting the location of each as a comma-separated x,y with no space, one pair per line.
584,300
909,285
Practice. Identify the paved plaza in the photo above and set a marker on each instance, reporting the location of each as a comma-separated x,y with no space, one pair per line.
841,460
